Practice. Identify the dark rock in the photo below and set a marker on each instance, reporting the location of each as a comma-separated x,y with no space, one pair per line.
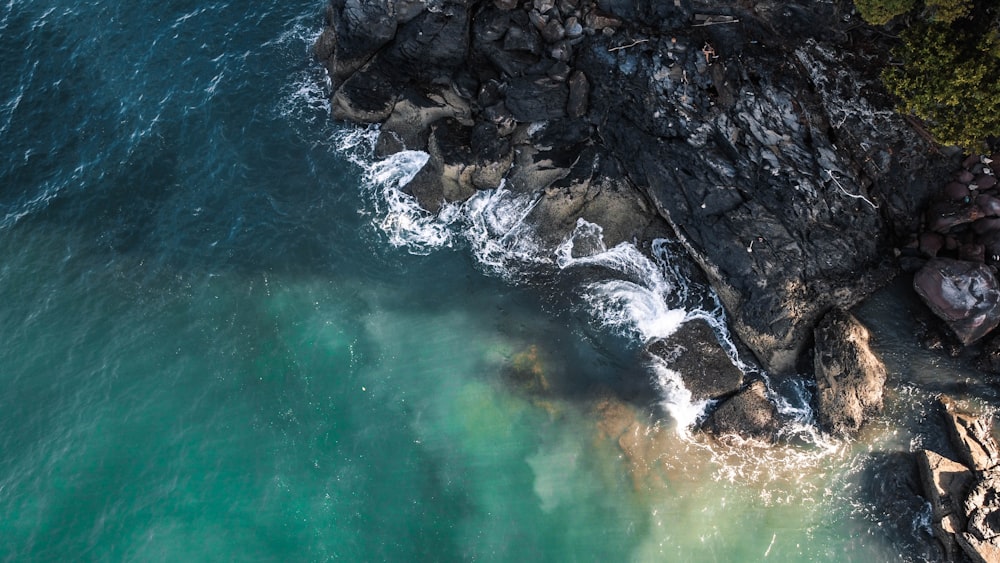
991,355
454,171
543,6
759,163
553,31
956,191
325,44
599,21
408,126
972,252
971,437
748,413
964,294
593,190
362,28
989,205
931,243
945,215
522,39
536,99
983,226
849,376
695,353
890,485
367,96
434,40
985,182
559,72
572,27
563,51
492,25
547,154
981,540
777,242
579,90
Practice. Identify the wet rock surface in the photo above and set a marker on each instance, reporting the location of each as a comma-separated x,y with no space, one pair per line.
748,413
849,376
707,371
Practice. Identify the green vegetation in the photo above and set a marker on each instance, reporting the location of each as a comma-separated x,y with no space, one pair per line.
881,12
948,71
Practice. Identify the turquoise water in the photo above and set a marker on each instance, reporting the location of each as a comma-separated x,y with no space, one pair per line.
222,339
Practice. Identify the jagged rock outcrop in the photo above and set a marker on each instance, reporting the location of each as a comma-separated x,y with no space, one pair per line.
765,145
849,375
964,495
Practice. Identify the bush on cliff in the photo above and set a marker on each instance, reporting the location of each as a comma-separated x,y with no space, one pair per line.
952,83
947,72
881,12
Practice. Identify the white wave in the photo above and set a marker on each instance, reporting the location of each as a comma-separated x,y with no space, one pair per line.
677,399
35,204
638,296
496,231
640,304
396,213
307,96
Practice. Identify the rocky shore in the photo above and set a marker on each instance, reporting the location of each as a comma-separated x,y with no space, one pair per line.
756,135
961,486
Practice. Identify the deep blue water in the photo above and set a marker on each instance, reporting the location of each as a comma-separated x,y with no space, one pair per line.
212,346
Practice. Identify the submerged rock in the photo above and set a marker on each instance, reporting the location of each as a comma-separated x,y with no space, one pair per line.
694,352
849,376
748,413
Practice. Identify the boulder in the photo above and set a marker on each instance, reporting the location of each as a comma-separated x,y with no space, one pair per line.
943,216
971,437
849,376
436,40
536,99
748,413
963,294
361,28
772,208
695,353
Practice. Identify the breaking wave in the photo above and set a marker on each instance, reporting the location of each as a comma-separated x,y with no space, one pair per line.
639,295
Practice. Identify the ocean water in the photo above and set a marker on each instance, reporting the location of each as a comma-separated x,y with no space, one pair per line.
225,335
